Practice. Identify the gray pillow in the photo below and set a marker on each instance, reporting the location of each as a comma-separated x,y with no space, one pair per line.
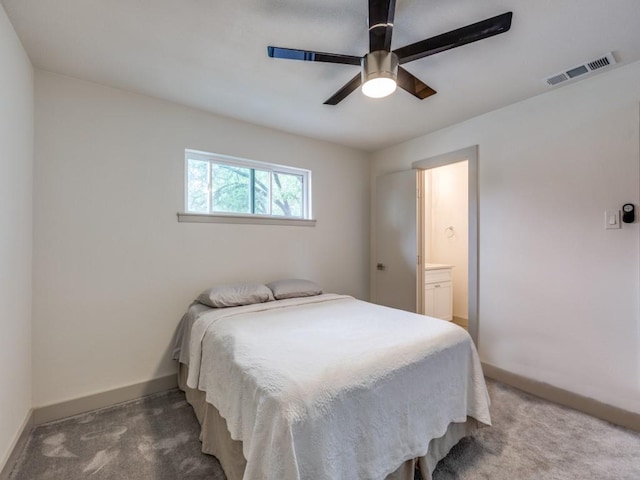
293,287
235,294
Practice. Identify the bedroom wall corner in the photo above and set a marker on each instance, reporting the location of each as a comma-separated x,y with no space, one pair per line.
16,206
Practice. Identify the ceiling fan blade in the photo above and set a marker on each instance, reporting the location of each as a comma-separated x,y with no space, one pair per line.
455,38
341,94
413,85
381,13
310,56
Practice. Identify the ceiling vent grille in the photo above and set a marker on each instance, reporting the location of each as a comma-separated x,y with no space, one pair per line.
580,70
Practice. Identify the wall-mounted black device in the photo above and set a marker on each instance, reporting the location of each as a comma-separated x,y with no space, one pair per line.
628,213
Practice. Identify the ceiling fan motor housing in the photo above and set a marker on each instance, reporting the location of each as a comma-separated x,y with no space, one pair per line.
379,64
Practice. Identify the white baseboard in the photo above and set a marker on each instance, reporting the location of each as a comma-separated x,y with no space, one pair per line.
57,411
16,447
616,415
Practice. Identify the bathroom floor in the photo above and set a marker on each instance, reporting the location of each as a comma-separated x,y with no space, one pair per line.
463,322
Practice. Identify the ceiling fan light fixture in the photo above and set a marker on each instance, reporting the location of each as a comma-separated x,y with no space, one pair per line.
379,87
379,73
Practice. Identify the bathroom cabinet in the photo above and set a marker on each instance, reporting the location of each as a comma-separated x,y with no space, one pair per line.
438,291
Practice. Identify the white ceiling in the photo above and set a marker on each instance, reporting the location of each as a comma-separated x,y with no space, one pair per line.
212,55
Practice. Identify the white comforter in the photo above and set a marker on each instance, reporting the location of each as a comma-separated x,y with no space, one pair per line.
333,388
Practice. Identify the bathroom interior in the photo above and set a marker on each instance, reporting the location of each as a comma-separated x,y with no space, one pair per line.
446,234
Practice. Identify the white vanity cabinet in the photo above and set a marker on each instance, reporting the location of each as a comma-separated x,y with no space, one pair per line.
438,291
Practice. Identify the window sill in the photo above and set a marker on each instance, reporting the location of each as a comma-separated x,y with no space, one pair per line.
246,219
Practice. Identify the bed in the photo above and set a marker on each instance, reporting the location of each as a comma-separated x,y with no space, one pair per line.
328,387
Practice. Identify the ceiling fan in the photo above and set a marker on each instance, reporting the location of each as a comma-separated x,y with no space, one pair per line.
380,68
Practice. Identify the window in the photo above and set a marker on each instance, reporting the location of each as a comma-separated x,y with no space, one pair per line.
226,186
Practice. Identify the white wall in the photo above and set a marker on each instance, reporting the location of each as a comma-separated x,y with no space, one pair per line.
114,270
447,205
558,293
16,187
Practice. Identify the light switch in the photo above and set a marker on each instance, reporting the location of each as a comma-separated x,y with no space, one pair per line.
612,219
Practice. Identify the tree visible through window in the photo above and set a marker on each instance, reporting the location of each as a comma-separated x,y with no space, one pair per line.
219,185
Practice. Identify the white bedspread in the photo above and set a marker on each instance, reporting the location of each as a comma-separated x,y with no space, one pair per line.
333,388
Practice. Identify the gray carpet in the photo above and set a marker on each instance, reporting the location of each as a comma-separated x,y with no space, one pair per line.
156,438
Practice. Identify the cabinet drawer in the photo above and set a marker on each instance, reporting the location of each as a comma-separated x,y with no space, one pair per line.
436,276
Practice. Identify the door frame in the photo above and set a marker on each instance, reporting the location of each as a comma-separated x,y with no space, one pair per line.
469,154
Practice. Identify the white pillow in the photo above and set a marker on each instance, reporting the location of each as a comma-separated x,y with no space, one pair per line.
235,294
293,287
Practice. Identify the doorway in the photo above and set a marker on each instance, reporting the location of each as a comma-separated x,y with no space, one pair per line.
446,260
448,236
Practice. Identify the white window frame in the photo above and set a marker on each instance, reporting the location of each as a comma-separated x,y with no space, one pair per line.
224,217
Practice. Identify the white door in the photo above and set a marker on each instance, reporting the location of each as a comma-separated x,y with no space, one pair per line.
396,240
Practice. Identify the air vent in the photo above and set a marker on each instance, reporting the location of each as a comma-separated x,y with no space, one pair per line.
557,79
599,63
581,70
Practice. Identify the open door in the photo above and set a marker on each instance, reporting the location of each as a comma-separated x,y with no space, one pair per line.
399,230
470,155
396,231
